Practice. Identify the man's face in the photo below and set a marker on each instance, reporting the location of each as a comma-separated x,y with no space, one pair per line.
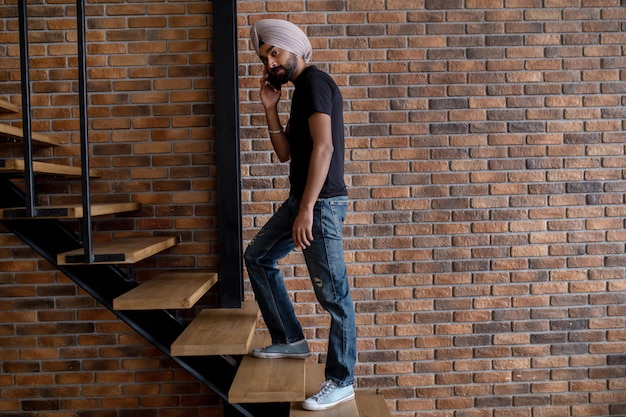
279,64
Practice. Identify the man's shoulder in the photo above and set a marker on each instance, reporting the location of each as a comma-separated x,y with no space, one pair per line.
317,78
314,73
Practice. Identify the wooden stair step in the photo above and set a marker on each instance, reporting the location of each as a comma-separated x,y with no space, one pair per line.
6,107
16,166
74,211
219,331
169,290
268,380
120,251
17,134
372,406
363,405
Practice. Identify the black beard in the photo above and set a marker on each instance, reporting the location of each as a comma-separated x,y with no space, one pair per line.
284,77
288,70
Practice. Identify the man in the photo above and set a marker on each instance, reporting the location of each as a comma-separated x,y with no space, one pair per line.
312,217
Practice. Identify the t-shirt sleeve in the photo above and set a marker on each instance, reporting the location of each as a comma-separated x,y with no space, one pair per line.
321,94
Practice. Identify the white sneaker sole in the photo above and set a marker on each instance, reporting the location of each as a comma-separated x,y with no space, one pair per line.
276,355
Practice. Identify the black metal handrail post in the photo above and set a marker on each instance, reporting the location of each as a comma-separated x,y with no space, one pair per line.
84,132
228,160
29,177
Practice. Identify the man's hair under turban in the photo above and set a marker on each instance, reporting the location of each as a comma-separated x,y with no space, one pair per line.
281,34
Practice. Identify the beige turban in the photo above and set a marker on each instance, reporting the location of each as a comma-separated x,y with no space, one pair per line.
281,34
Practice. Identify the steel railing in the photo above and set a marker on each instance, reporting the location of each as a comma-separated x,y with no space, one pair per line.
29,175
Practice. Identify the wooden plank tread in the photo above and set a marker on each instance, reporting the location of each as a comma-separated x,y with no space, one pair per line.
120,251
268,380
74,211
170,290
17,134
372,406
219,331
6,107
16,166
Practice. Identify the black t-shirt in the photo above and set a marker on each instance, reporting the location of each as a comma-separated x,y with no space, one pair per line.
315,92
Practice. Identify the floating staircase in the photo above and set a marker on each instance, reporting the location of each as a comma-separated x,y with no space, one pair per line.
233,332
146,307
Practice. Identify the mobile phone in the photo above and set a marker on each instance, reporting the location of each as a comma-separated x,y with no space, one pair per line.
273,81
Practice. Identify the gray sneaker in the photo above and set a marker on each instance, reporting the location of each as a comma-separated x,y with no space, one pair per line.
329,395
295,350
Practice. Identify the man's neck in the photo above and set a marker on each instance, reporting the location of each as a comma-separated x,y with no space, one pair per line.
302,65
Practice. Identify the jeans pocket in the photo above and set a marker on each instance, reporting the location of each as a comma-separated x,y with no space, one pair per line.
337,209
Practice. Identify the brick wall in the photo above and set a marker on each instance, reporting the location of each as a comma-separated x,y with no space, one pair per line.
485,165
485,155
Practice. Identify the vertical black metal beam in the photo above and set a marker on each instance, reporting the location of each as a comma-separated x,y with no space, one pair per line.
84,133
29,177
227,149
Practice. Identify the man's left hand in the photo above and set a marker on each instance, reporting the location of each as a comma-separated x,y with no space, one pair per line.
302,231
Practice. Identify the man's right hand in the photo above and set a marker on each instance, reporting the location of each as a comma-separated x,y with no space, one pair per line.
269,95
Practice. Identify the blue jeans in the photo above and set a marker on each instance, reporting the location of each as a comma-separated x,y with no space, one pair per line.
326,265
